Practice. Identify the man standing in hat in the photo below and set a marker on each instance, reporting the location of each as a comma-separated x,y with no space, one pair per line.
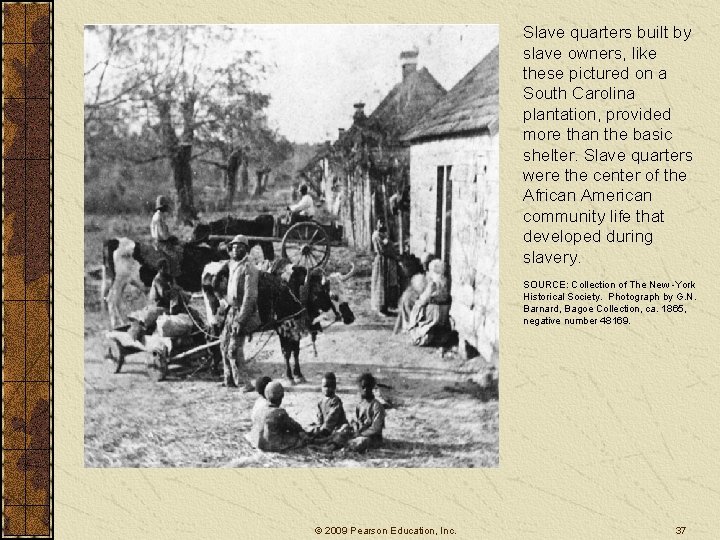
242,317
159,228
160,231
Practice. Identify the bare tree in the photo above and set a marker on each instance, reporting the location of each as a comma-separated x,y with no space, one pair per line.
191,85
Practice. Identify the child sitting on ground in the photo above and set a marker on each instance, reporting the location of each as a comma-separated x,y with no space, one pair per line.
369,418
261,402
273,430
330,413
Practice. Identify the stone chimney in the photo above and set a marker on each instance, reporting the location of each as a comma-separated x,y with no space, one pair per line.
359,115
341,132
408,59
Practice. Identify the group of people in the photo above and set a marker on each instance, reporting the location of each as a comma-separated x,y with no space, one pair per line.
241,308
424,306
424,309
273,430
423,313
164,296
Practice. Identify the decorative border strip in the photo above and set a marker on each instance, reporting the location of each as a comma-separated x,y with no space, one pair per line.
27,277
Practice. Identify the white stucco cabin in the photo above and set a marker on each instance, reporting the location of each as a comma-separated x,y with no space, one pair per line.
454,183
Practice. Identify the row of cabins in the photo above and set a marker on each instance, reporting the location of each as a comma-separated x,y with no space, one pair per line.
440,150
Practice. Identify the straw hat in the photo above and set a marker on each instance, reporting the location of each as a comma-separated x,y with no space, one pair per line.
161,202
239,239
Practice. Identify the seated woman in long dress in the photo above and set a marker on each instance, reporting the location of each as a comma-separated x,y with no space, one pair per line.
411,294
407,302
430,318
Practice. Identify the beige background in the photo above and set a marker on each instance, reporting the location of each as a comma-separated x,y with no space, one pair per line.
605,432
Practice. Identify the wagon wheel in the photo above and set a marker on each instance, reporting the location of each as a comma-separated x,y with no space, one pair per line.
115,356
306,244
159,367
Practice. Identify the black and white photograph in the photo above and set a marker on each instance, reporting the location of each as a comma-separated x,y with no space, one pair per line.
291,246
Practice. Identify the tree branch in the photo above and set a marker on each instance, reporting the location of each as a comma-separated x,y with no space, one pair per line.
120,95
136,161
196,156
218,164
97,65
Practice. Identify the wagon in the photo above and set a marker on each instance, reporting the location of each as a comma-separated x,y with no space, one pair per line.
163,354
306,243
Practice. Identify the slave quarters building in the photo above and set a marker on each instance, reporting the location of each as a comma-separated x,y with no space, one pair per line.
360,172
454,190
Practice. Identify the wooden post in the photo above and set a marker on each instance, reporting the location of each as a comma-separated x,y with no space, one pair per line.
368,211
352,202
385,203
401,231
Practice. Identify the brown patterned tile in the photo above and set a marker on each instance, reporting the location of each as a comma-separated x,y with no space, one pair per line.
38,22
37,467
26,406
13,477
14,520
14,223
14,341
38,342
14,23
13,70
37,119
38,520
39,289
14,412
37,251
37,428
14,188
38,71
14,265
13,128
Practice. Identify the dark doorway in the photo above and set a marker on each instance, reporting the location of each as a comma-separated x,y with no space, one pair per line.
443,215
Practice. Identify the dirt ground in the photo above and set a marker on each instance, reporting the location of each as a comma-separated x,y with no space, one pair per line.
437,418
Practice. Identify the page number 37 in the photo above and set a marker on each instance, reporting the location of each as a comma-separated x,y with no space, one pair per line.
680,530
